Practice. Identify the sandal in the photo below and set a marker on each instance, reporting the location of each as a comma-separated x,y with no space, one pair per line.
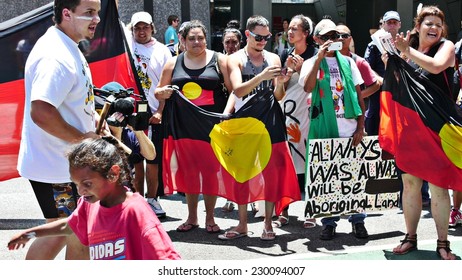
268,235
281,221
411,239
212,228
309,223
228,207
186,227
444,245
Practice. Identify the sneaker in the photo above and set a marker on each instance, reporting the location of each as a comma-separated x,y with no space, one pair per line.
360,231
327,233
155,206
455,218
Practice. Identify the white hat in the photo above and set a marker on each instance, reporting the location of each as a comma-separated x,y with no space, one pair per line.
324,26
391,15
141,17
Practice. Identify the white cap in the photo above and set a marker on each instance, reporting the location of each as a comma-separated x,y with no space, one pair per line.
391,15
141,17
324,26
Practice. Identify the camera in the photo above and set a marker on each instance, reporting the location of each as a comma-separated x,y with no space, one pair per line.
335,46
125,109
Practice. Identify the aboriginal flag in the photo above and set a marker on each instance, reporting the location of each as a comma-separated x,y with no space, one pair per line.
106,54
243,157
421,126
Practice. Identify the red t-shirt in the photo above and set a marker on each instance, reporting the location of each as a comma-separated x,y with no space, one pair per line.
128,231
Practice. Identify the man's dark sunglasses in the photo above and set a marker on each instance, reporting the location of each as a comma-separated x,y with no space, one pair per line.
344,36
331,36
260,38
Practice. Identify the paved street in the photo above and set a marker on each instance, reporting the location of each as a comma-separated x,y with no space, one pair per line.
19,210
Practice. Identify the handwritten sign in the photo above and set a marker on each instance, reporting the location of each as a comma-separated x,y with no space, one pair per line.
343,179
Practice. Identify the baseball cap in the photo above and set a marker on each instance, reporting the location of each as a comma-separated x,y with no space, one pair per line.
113,86
391,15
324,26
141,17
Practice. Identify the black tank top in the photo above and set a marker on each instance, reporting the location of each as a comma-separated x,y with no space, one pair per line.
203,86
443,79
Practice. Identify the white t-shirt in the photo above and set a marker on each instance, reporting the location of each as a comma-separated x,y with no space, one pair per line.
346,127
149,60
56,72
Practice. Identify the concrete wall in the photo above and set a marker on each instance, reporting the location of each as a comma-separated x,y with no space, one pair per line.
13,8
198,9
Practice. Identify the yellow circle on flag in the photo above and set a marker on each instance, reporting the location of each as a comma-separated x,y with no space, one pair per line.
192,90
242,146
450,141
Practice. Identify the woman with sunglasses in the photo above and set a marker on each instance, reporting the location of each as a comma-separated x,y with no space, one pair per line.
198,73
171,35
296,102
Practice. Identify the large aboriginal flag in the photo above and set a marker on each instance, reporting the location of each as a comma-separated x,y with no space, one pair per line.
106,54
421,126
243,157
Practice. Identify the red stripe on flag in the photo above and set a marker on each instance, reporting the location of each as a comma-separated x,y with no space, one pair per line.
116,69
204,99
414,155
11,115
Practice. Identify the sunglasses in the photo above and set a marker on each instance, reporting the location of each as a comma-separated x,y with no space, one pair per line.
343,36
260,38
327,37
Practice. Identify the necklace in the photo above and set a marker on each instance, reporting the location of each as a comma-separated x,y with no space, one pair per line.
254,71
263,84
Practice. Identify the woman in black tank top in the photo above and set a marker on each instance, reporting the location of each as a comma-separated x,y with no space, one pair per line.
432,56
201,76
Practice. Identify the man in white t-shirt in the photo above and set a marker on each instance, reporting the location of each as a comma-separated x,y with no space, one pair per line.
59,111
335,80
150,57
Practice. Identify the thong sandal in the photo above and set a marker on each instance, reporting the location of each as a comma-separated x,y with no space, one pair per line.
186,227
268,235
212,228
443,244
281,221
411,239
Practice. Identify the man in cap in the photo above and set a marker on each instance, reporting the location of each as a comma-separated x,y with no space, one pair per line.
150,57
392,24
334,81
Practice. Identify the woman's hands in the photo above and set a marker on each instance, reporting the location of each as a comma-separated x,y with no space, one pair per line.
402,42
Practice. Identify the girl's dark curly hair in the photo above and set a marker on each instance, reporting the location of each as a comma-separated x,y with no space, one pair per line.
100,155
